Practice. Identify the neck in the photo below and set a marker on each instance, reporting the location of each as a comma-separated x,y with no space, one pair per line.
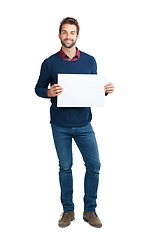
70,52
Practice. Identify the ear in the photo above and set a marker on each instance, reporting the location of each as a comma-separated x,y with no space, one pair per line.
59,36
78,36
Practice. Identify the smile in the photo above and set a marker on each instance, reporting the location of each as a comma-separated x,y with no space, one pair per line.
67,41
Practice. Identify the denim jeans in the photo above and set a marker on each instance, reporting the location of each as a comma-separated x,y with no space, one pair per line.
84,138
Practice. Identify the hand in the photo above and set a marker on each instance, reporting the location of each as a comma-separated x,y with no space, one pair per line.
55,90
109,87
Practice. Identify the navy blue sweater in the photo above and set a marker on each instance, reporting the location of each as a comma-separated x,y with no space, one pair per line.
51,67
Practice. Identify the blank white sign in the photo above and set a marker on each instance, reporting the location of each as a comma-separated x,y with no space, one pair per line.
81,90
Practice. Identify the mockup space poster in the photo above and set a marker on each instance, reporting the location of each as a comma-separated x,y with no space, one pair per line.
81,90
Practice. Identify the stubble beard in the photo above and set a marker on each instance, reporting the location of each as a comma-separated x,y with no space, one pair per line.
68,46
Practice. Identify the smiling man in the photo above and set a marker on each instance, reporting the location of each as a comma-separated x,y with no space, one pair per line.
72,123
68,39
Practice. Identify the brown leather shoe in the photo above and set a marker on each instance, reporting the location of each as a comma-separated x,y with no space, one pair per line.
66,219
92,219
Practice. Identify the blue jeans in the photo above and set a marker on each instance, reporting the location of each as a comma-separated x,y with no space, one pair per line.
85,139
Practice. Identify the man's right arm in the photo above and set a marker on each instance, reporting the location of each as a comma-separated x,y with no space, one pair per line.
41,87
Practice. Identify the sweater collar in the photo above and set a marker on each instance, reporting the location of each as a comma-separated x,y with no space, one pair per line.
65,57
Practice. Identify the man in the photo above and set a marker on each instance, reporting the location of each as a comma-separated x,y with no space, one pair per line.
72,123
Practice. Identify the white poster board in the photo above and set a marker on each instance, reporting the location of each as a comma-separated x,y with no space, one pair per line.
81,90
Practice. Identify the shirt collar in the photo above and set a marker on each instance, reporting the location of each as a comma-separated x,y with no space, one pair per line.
65,57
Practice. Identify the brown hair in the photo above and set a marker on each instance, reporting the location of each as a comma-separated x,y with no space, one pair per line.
71,21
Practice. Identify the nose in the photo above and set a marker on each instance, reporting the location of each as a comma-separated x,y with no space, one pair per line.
68,35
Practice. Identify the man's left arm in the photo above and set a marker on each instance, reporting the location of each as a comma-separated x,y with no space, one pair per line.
109,87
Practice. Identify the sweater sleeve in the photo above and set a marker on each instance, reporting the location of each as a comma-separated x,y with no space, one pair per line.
41,87
94,66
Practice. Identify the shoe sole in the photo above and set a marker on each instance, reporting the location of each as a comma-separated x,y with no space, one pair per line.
66,225
86,220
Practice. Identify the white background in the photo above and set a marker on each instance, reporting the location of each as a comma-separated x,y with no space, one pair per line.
124,38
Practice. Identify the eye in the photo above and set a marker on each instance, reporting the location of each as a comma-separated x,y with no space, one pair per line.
72,33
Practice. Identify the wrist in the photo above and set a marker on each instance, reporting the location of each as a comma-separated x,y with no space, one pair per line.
48,93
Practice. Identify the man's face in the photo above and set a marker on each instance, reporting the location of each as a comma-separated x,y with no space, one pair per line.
68,35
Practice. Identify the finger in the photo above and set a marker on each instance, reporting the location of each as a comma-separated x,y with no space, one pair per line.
57,88
56,85
109,88
57,94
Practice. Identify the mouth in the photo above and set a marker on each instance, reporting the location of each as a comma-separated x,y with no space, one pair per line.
67,41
